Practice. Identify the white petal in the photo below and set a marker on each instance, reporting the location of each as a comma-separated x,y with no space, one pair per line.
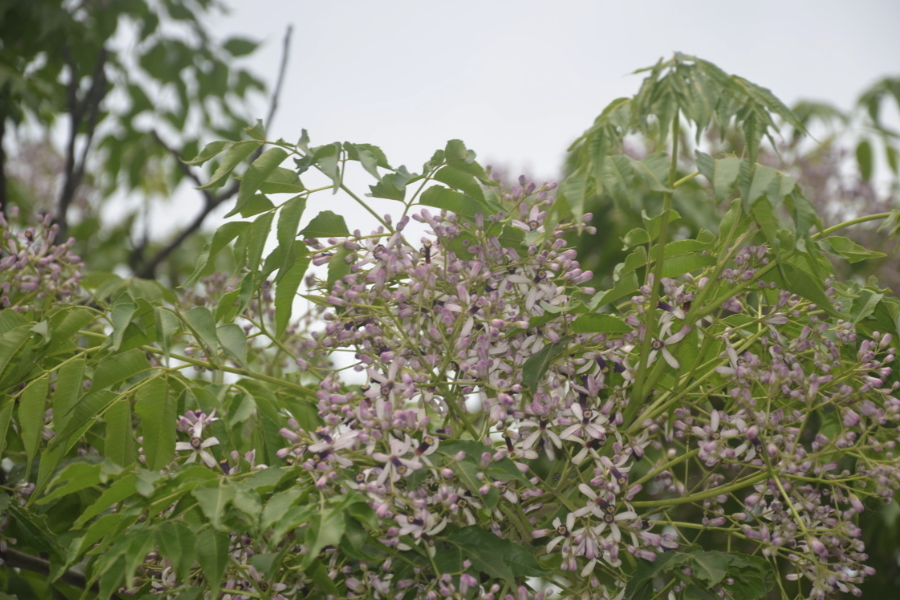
670,359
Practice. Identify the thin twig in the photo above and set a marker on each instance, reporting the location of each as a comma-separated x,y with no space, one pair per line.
285,51
210,201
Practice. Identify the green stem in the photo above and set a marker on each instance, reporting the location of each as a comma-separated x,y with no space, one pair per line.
851,223
674,462
725,489
685,179
305,391
637,396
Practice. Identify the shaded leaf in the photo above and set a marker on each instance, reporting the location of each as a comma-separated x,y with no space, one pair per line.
158,421
326,224
536,366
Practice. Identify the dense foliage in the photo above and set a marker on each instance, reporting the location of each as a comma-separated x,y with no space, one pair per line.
455,412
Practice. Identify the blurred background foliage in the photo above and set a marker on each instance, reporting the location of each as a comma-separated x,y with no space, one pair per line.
846,164
98,98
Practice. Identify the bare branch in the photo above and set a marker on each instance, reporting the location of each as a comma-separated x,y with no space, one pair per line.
183,167
148,269
90,104
285,52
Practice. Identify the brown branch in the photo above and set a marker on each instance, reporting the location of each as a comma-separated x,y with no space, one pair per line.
21,560
210,201
90,105
285,50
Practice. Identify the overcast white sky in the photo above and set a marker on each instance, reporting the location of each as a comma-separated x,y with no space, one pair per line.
518,81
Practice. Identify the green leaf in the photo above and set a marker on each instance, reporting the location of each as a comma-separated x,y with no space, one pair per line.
167,326
393,185
121,315
256,241
119,491
654,224
7,404
119,443
320,576
202,324
326,224
234,342
258,204
864,159
467,472
797,281
536,366
849,249
176,542
337,267
33,531
617,177
654,171
30,416
288,225
247,501
237,153
765,217
636,237
212,501
720,173
595,323
209,151
212,554
11,343
461,181
465,206
75,477
688,263
84,414
327,159
369,156
223,236
286,290
239,46
574,190
256,175
711,567
158,421
75,320
754,180
289,521
803,213
257,131
324,529
864,305
625,286
498,558
282,181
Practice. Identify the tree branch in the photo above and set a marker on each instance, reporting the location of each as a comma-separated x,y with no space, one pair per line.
210,201
90,105
21,560
285,50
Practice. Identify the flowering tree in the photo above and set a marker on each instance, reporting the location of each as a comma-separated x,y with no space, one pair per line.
709,426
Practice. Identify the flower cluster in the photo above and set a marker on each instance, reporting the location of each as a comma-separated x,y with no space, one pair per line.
35,271
499,419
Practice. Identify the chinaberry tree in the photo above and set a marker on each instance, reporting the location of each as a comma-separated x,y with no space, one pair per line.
455,412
